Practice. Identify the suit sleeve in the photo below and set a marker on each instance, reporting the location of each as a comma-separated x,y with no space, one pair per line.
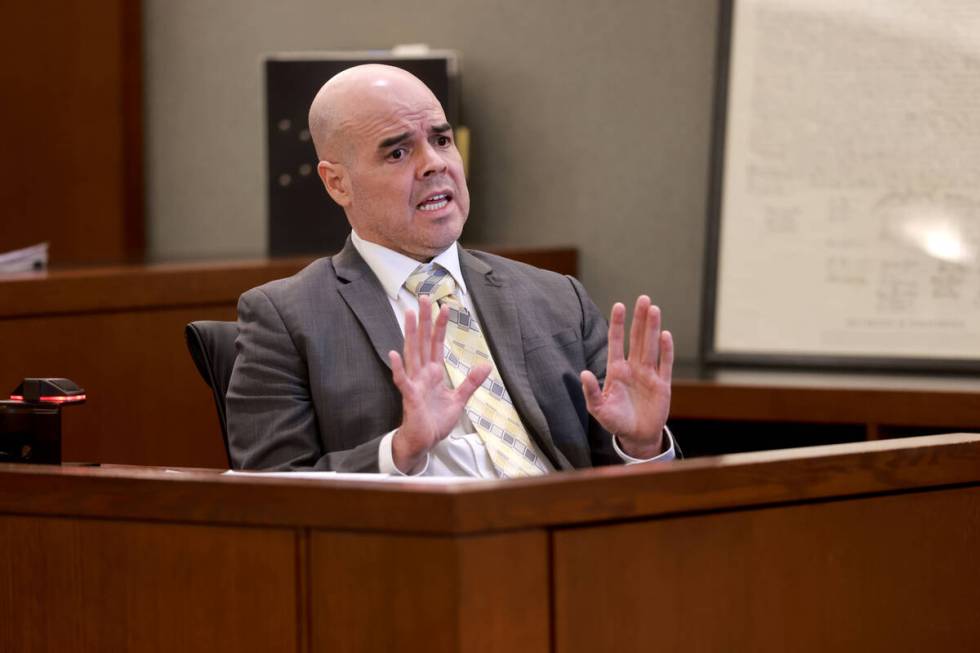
595,331
271,420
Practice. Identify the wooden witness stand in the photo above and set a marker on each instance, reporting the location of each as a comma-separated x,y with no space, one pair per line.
867,546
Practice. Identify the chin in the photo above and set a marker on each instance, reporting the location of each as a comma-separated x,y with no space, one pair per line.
442,235
433,247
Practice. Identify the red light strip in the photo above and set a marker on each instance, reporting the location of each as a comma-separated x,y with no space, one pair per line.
52,400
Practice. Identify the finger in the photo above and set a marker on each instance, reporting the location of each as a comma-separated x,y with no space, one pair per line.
397,371
651,339
474,379
425,329
411,356
666,356
638,328
590,388
617,331
439,334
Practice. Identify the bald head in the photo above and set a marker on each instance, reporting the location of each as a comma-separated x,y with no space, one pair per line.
352,99
388,157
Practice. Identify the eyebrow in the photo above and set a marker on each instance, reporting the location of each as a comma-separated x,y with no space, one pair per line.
394,140
404,136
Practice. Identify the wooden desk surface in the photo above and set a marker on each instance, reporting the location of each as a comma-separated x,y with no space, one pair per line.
124,287
103,289
578,497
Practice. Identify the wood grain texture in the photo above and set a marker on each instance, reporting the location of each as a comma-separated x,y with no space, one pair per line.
78,585
133,173
126,287
896,573
146,402
828,548
72,156
133,287
829,399
563,499
416,593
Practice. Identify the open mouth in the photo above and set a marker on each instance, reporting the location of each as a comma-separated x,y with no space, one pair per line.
435,202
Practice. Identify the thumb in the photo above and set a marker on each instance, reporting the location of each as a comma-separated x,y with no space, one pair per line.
477,375
591,390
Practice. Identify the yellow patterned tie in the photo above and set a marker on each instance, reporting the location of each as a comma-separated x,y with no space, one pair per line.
490,409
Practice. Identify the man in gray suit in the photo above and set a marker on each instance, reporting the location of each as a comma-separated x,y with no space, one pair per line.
347,365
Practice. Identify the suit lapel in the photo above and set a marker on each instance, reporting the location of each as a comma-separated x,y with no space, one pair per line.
497,312
363,293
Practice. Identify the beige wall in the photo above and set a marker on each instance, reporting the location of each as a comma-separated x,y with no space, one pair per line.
591,126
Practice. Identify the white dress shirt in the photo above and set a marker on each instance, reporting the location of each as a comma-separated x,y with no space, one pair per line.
462,452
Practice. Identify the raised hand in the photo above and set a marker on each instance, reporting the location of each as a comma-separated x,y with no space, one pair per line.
634,401
430,408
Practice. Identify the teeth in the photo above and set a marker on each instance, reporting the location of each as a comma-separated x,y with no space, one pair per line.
434,203
429,206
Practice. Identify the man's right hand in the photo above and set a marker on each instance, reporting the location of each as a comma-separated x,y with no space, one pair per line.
430,408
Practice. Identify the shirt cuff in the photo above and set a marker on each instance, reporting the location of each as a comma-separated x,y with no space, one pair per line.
386,461
669,454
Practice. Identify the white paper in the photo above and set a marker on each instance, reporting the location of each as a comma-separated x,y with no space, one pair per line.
851,207
27,259
345,476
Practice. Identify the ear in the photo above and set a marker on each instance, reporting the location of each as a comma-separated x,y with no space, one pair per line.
336,180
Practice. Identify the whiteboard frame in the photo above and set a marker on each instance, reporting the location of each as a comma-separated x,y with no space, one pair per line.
711,356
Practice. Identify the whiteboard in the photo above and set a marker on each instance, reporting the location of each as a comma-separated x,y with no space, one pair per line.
846,216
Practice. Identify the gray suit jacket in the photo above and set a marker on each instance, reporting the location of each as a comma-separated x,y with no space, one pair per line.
312,388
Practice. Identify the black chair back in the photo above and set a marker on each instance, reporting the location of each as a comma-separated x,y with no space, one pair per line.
212,346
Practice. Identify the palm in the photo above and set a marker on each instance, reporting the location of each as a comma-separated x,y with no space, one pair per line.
430,408
634,400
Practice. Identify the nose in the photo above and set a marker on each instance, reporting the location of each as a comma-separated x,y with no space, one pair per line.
432,162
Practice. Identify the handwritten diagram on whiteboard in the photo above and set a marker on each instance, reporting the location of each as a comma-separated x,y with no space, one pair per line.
848,220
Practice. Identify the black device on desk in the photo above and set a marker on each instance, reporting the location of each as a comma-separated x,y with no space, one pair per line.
30,421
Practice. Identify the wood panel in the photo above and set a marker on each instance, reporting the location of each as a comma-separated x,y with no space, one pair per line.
131,287
478,507
163,285
119,332
416,593
729,410
79,585
865,546
72,160
146,402
893,573
955,403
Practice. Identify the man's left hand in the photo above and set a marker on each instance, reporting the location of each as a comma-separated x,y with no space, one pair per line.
634,400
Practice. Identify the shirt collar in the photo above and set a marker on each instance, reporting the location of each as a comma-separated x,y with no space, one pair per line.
393,268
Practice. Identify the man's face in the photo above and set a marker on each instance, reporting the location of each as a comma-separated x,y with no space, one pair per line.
407,188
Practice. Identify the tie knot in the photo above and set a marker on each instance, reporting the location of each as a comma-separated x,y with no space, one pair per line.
434,281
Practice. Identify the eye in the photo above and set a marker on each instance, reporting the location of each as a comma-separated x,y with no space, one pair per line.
397,154
443,141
